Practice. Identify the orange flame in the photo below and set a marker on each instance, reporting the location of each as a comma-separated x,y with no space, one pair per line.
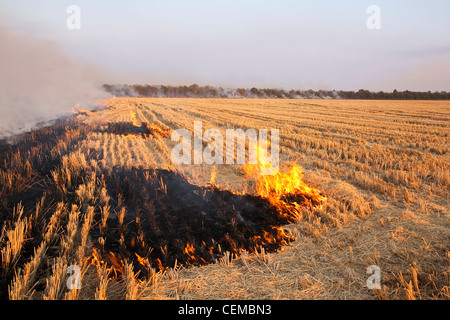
147,129
189,250
134,120
213,176
141,260
133,136
155,130
77,110
160,265
116,268
281,185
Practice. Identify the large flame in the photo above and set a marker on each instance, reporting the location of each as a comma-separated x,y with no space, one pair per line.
281,188
285,190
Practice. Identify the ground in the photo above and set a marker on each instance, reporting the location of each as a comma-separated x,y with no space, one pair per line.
383,166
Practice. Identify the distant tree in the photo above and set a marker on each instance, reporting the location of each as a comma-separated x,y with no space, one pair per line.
395,94
255,92
241,92
213,92
208,91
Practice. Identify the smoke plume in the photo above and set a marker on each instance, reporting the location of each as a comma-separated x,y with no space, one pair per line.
39,82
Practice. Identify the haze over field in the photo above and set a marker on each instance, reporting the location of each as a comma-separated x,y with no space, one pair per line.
288,44
38,81
47,67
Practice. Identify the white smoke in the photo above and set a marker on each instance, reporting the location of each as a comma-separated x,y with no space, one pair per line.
39,82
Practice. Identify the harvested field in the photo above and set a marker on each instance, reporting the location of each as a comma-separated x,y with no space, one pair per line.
100,191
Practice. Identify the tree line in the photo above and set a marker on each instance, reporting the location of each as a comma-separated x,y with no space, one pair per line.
196,91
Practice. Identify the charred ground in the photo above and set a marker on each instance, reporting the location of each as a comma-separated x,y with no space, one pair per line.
152,218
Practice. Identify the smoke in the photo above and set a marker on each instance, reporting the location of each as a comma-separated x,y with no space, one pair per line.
39,82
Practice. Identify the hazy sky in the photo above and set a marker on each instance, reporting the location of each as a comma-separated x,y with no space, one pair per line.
245,43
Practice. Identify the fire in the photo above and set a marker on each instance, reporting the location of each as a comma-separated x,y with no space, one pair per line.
212,181
134,120
189,250
78,111
160,265
116,263
133,136
136,130
193,258
155,130
282,189
141,260
288,183
75,108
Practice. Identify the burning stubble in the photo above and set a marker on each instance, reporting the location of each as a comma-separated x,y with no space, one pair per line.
39,82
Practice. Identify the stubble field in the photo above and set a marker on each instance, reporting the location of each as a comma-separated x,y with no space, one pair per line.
382,165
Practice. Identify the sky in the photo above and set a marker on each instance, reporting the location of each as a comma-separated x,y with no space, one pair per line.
249,43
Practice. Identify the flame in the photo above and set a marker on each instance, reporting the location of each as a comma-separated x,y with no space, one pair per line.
213,176
155,130
189,250
145,129
268,239
160,265
95,259
193,258
283,189
141,260
133,136
116,263
77,110
134,120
